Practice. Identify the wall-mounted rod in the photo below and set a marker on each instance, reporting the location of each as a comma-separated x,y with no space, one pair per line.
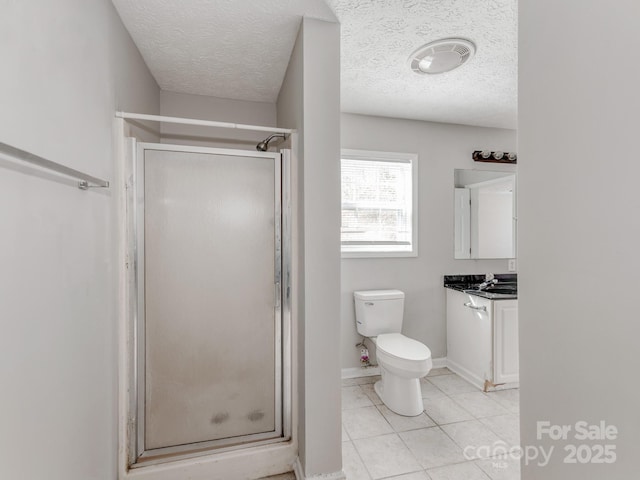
202,123
86,181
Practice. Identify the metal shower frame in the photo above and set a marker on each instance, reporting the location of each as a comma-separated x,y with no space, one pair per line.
137,456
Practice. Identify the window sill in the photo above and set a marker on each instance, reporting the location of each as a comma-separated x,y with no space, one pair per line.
379,254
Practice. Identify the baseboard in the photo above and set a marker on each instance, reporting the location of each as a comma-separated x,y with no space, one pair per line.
466,374
440,362
477,381
355,372
299,471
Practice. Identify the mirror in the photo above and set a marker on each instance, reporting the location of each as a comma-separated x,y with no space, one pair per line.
485,206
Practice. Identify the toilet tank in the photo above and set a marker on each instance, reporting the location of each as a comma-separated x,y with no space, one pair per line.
378,311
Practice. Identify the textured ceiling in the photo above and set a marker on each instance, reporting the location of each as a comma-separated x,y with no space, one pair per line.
240,49
378,36
224,48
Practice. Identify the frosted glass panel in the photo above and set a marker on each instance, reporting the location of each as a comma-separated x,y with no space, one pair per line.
210,323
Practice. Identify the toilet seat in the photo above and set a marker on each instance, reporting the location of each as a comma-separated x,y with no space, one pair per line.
398,346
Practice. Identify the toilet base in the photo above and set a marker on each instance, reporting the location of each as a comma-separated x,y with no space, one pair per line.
401,395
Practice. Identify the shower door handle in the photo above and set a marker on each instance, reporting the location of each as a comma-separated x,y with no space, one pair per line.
278,294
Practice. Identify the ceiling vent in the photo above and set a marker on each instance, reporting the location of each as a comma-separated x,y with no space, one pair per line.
441,56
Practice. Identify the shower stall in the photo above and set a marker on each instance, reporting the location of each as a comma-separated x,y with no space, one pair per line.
209,270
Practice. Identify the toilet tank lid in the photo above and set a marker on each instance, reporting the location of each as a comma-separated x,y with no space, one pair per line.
378,294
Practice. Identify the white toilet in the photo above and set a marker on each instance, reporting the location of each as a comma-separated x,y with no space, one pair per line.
403,361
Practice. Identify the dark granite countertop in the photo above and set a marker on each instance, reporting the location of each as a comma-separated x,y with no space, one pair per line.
505,289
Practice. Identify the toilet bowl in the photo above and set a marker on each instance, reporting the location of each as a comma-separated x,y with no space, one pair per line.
402,360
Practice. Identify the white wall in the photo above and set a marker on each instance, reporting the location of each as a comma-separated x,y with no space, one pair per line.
290,112
310,102
579,228
219,109
67,66
441,148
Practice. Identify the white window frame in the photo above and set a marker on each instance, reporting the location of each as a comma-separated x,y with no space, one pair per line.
412,158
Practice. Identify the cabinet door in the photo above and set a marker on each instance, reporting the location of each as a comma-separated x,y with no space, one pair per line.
469,336
506,367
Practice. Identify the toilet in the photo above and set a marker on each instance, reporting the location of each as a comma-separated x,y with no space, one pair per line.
402,360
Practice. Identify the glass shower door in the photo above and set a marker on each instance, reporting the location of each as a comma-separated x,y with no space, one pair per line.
209,312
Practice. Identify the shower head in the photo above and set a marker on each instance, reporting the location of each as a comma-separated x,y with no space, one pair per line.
263,146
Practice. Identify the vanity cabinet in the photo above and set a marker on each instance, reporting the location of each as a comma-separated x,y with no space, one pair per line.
482,339
505,342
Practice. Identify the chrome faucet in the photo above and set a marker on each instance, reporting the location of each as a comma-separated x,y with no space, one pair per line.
487,283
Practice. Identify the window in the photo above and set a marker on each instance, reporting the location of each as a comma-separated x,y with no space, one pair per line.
379,192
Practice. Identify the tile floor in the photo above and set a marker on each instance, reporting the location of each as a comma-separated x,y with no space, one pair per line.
377,443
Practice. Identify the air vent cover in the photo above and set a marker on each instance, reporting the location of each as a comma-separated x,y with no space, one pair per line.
441,56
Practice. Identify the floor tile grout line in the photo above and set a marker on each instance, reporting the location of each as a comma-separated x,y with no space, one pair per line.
378,406
362,460
491,399
435,376
399,437
374,392
496,433
479,419
454,442
489,476
436,386
461,463
372,436
473,460
435,424
363,392
467,460
412,454
349,439
451,399
462,407
418,427
476,419
456,403
391,477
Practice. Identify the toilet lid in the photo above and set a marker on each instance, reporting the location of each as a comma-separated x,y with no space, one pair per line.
398,345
